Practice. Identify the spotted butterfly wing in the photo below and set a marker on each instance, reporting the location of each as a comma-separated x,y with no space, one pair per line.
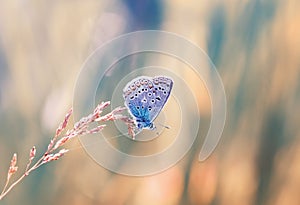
145,97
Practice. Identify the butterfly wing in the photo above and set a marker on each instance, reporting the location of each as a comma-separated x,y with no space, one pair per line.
161,90
145,97
134,94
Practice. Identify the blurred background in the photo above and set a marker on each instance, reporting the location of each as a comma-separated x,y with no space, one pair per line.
255,46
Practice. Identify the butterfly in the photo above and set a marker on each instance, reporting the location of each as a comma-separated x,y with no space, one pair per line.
145,97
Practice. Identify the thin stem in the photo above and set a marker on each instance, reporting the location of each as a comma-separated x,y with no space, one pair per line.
35,166
28,165
6,184
3,194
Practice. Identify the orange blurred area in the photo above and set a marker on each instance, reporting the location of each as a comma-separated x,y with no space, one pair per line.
255,46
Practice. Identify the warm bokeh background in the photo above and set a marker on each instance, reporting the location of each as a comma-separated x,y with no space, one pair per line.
254,44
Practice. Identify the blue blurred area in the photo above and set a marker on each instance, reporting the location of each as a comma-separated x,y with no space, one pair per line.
217,34
253,19
145,15
272,139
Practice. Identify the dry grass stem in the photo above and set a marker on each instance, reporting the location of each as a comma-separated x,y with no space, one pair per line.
80,128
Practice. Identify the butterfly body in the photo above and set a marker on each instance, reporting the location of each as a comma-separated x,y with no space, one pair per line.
145,97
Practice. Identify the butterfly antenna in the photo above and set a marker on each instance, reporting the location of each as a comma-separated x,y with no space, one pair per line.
165,126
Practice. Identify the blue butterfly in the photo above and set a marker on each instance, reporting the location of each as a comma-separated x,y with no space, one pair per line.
145,97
